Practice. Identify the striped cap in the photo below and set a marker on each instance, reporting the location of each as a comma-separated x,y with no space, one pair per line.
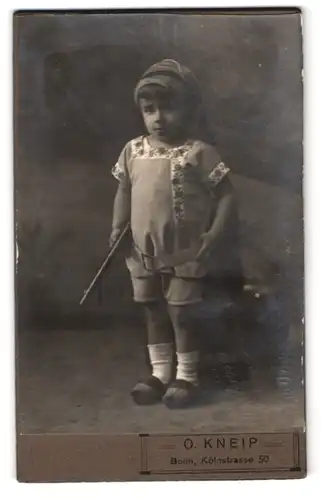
167,74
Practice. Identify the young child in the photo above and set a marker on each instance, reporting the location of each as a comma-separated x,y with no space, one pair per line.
175,192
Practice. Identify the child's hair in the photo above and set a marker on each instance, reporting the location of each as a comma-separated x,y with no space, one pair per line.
154,91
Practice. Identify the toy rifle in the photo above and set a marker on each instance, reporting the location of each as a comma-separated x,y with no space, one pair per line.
105,263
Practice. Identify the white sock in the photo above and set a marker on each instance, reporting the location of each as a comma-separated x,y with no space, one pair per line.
187,364
161,358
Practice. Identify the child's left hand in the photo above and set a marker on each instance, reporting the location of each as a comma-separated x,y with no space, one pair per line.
207,246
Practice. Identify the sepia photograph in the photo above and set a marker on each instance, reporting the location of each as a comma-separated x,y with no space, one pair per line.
159,226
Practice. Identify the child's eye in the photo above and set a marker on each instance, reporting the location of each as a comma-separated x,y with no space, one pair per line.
148,109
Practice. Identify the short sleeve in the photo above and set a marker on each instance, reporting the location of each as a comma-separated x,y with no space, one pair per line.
120,169
213,168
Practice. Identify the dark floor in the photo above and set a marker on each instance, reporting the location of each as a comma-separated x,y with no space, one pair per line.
79,381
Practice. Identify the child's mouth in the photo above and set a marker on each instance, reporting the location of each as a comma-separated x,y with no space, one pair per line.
160,130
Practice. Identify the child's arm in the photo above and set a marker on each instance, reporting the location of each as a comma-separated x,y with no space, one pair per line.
121,212
224,213
122,201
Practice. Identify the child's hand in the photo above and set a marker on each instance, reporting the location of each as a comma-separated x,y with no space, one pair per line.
114,236
207,246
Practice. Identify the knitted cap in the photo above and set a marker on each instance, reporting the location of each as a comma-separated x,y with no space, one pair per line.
167,74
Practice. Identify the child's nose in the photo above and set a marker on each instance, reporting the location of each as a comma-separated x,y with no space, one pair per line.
158,115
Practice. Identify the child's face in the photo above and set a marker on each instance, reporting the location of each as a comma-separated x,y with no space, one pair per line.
164,116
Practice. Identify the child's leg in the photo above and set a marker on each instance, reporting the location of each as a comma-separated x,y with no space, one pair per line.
184,293
187,349
148,292
160,340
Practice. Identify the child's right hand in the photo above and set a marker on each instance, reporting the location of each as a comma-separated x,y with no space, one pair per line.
114,236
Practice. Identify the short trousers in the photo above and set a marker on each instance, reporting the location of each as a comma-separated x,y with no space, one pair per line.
175,290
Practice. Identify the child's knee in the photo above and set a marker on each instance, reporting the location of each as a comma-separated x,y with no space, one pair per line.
183,316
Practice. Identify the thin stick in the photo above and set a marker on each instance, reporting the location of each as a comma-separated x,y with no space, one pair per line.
104,264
